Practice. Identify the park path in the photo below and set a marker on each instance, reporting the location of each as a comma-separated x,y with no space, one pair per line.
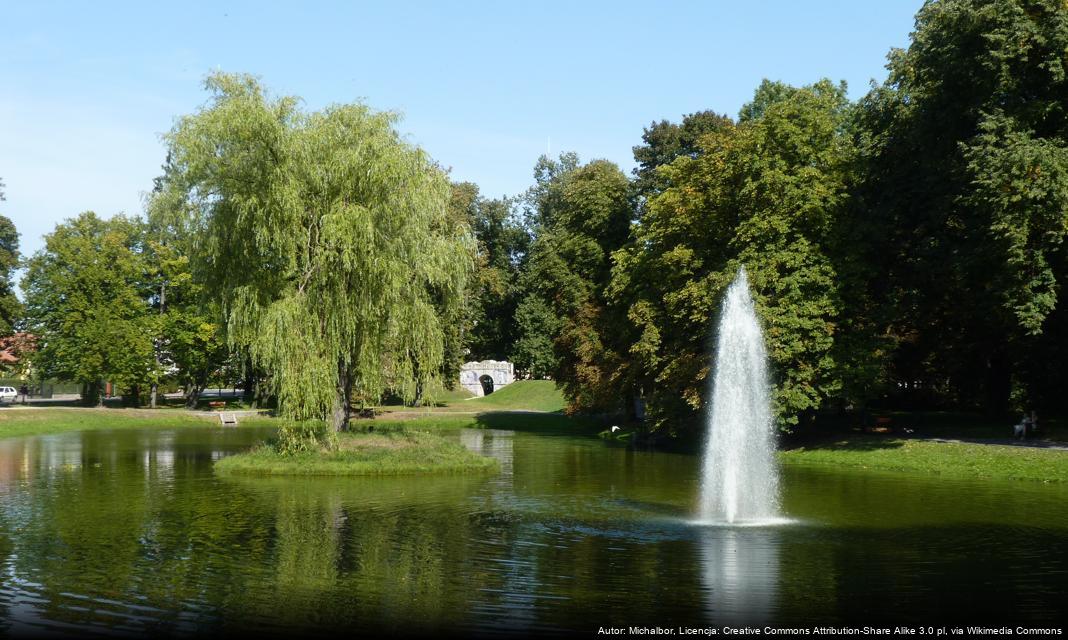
1007,442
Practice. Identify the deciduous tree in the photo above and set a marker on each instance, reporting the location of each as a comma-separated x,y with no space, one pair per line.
86,303
328,240
966,186
10,307
766,193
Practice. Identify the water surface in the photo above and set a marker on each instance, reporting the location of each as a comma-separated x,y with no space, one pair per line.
130,532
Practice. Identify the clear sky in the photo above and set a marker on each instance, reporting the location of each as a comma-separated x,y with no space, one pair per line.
86,89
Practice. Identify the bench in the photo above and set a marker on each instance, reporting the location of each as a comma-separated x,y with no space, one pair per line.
883,424
217,404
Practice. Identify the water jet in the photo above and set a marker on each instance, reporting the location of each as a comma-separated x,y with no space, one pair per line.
739,474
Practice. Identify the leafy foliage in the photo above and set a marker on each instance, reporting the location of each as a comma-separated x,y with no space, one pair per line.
86,304
665,141
765,193
10,307
964,169
494,289
584,214
327,239
536,325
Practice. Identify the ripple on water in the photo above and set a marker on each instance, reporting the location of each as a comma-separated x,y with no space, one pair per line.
574,533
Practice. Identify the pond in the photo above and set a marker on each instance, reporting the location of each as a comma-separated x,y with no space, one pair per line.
130,532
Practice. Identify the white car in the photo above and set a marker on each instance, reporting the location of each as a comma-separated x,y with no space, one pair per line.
8,394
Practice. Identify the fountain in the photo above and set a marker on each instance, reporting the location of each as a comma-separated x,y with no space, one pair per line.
739,477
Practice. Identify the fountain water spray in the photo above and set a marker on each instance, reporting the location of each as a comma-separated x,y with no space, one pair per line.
739,477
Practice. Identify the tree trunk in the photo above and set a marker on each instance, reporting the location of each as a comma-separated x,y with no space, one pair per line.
342,411
156,350
192,396
93,394
249,394
132,397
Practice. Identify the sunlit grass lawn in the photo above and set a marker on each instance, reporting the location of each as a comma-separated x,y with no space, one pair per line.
941,458
521,395
17,421
524,395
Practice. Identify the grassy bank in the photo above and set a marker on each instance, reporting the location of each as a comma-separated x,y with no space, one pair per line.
941,458
27,422
540,396
389,450
524,395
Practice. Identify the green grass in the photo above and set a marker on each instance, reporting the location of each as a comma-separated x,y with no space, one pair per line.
27,422
524,395
447,397
390,450
941,458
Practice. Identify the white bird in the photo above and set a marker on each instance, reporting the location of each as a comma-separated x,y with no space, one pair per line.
614,428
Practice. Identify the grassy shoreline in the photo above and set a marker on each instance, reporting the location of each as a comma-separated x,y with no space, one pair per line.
17,422
853,450
390,451
951,459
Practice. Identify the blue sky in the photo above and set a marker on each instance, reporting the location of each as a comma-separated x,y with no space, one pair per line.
86,89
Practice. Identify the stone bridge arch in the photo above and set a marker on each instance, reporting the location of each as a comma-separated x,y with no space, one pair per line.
500,372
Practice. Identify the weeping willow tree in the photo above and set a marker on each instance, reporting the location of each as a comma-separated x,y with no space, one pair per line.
326,238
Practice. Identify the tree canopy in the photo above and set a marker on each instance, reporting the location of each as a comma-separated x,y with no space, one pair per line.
10,307
86,303
965,151
766,193
327,240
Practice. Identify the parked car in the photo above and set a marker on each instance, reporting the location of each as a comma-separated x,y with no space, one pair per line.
8,394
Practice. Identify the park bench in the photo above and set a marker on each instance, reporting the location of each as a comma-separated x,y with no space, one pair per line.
217,404
883,424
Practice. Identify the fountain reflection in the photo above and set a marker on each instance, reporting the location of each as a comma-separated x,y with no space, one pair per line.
740,573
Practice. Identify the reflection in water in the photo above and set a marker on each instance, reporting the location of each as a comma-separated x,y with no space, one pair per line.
494,443
740,573
132,533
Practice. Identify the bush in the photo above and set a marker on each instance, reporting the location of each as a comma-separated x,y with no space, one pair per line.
304,437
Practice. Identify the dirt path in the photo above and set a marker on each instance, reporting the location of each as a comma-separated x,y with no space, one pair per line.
140,411
1007,442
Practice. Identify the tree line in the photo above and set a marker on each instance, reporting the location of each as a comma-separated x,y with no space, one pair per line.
904,249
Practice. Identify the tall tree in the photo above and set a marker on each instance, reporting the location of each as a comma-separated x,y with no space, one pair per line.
767,194
189,342
665,141
536,326
86,303
584,214
966,182
10,307
502,243
328,240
